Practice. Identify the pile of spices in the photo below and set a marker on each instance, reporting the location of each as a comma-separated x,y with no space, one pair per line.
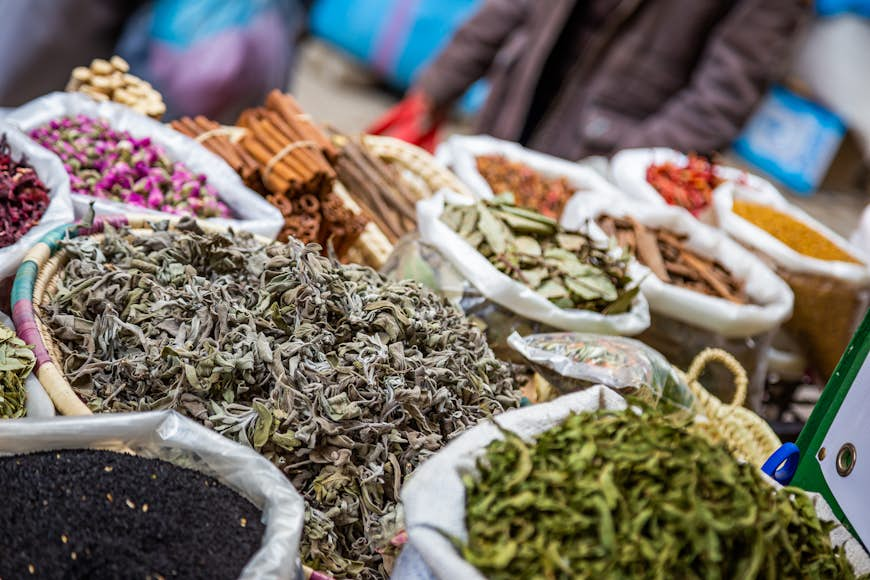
100,514
529,188
23,196
567,268
345,380
377,187
114,165
293,156
689,186
16,362
110,80
625,495
665,253
795,234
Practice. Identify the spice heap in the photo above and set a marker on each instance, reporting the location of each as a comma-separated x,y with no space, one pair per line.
689,186
530,188
617,494
795,234
110,80
344,380
77,514
665,253
23,197
220,141
293,156
567,268
16,362
114,165
377,187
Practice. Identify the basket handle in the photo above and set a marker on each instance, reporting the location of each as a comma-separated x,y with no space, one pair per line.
708,355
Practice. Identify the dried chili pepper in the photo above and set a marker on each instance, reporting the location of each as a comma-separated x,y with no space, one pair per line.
23,196
690,186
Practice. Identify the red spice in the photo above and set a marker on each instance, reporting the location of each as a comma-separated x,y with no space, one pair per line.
23,197
531,189
690,186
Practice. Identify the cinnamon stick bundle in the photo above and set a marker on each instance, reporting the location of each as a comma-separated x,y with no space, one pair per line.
666,255
376,187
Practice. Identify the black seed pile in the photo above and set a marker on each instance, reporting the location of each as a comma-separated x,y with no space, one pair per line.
99,514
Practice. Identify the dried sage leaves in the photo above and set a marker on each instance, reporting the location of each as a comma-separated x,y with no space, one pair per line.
16,362
345,380
625,495
567,268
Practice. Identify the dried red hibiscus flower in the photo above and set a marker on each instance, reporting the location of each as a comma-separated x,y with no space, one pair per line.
23,196
690,186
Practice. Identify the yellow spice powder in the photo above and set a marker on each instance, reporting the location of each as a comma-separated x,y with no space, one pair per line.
791,232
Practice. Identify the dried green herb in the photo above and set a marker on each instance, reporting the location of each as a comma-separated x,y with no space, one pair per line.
567,268
343,379
621,495
16,362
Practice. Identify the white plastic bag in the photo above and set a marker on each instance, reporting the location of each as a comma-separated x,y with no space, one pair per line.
252,213
37,403
460,153
684,322
628,171
50,171
514,296
434,496
171,437
831,297
861,235
772,300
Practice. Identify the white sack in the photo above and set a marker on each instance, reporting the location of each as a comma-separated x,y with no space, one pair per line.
434,496
772,297
861,235
460,153
171,437
757,238
37,401
251,212
513,295
628,171
50,171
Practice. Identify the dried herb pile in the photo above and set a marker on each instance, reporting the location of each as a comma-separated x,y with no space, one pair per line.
344,380
529,188
617,495
689,186
16,362
567,268
99,514
666,254
112,164
23,196
795,234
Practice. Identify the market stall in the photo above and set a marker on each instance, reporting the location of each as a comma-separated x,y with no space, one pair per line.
555,373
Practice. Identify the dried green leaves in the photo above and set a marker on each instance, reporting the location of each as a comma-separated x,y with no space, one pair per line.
16,362
620,495
567,268
344,380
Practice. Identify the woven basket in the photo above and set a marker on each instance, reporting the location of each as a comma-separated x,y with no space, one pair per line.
36,280
745,434
418,162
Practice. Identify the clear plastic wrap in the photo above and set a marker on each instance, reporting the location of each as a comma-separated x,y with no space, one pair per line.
168,436
572,361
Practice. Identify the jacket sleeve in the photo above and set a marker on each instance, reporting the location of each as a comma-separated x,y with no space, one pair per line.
471,51
745,51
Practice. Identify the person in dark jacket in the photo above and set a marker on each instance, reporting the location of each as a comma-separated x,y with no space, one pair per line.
580,77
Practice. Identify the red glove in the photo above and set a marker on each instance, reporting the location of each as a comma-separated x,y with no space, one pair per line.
412,120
